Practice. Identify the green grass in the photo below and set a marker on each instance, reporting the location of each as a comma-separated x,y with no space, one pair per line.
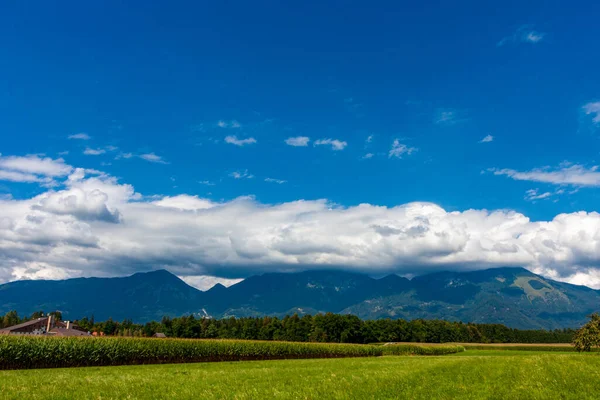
474,374
546,348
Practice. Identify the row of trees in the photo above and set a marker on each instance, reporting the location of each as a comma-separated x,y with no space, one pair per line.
320,328
12,318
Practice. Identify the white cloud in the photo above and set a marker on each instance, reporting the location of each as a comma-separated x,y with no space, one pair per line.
124,155
185,202
151,157
534,194
298,141
487,139
241,175
207,183
233,124
369,139
80,136
34,164
524,34
593,109
446,116
398,149
204,282
98,226
239,142
335,144
368,156
576,175
93,152
15,176
273,180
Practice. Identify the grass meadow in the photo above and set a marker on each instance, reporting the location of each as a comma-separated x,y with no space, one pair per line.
473,374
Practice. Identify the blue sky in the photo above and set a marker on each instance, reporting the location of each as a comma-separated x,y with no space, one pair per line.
395,100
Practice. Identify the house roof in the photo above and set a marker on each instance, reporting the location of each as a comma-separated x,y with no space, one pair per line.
24,324
159,335
67,332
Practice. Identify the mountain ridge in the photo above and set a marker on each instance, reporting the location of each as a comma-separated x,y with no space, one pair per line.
515,297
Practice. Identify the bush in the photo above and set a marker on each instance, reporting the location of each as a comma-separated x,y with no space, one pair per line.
23,352
588,336
417,350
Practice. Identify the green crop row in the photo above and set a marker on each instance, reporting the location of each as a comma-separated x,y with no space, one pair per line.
21,352
418,350
24,352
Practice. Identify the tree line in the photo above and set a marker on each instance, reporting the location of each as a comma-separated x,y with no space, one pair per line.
318,328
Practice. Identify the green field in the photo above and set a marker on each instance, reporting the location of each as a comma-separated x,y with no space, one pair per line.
474,374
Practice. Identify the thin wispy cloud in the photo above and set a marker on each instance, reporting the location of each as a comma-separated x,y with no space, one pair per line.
336,145
524,34
399,149
369,139
93,152
534,194
151,157
80,136
124,155
241,175
447,116
207,183
273,180
368,156
233,124
575,175
35,164
487,139
593,109
298,141
239,142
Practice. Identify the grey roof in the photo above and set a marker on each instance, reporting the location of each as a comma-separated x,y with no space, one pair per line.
68,332
24,324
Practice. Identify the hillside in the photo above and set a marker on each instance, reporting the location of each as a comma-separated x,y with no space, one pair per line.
511,296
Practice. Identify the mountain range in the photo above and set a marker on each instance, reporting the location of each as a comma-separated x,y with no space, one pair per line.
511,296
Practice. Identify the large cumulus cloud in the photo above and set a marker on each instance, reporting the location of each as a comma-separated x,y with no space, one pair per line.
96,226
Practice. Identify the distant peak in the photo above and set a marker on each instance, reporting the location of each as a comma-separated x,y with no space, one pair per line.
157,272
391,277
217,287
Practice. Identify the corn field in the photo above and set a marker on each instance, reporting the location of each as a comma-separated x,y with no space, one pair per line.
417,350
25,352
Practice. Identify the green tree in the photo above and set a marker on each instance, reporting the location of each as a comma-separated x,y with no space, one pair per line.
588,336
10,318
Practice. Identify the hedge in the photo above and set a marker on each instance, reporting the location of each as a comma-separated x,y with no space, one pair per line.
418,350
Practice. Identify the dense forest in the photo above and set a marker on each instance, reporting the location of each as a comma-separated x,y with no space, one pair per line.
319,328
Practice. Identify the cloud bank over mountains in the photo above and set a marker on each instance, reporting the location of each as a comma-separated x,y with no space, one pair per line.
90,224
